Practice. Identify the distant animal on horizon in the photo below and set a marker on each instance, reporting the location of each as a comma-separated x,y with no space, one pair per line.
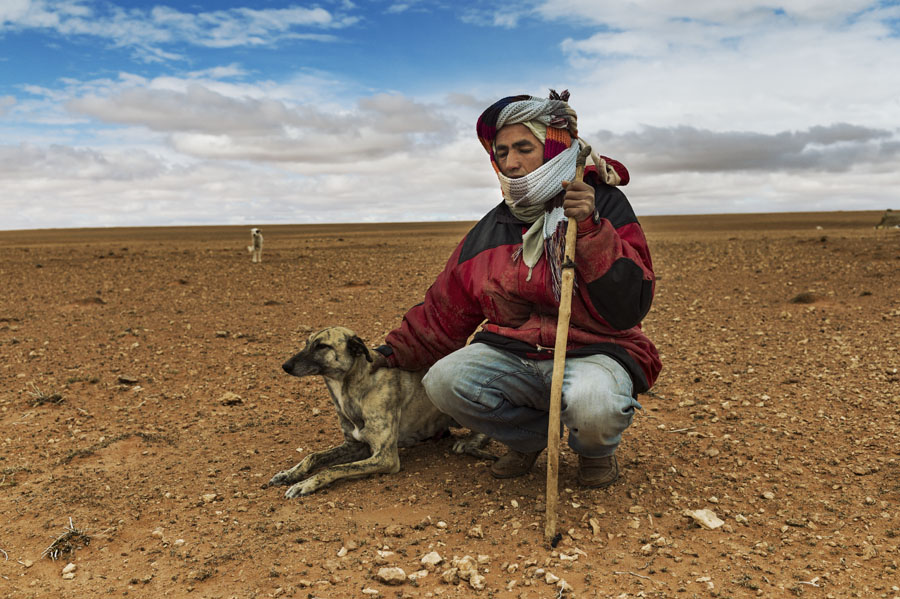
255,247
380,410
889,219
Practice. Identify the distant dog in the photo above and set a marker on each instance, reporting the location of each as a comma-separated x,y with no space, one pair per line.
255,247
379,411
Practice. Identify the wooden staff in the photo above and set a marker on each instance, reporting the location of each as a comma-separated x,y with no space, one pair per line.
559,363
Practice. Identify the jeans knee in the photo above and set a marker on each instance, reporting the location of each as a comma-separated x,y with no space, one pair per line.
437,387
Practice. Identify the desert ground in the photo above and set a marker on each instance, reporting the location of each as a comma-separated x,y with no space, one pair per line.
142,407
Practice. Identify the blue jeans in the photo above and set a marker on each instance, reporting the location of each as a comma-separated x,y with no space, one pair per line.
494,392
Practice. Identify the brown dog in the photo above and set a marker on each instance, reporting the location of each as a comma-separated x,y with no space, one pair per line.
379,411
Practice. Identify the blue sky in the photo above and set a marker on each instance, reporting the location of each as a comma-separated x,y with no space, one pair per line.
121,113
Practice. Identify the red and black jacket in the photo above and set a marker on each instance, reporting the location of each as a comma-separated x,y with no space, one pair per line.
481,283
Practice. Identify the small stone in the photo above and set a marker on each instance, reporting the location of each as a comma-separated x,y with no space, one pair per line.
450,575
124,379
230,399
705,518
394,530
178,542
476,581
208,497
28,563
551,578
417,575
158,533
768,495
432,559
475,532
371,592
441,524
391,575
70,567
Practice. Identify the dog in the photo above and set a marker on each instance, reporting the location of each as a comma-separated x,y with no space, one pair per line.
380,410
255,247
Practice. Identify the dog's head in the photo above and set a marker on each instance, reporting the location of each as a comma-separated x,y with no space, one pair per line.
331,352
255,231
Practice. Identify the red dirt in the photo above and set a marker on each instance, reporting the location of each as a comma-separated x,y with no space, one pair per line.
777,411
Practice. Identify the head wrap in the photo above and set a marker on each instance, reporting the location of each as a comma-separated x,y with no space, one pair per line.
537,197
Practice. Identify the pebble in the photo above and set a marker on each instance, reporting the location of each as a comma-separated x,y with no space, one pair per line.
705,518
68,573
432,558
391,575
209,497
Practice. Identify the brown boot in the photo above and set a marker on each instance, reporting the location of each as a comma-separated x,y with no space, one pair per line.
514,464
597,473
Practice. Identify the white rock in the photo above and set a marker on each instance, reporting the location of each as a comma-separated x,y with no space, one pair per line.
431,559
551,578
391,575
371,592
70,567
475,532
476,581
705,518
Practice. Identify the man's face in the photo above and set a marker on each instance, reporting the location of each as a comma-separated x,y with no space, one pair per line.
517,151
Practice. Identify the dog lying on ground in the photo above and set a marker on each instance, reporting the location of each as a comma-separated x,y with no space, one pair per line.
255,247
379,411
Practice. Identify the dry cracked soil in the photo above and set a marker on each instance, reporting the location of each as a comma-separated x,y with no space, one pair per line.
142,407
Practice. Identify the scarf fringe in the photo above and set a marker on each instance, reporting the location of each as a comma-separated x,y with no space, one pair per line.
555,250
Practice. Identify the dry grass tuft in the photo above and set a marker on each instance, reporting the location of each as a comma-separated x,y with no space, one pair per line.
67,542
38,397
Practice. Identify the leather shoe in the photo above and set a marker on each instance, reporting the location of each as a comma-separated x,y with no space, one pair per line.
597,473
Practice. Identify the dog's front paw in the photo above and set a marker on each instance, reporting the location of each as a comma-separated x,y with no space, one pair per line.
473,446
282,478
304,487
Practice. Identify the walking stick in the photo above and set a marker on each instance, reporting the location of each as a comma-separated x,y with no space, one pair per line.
559,364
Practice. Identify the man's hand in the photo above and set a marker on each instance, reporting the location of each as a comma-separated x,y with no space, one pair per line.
579,201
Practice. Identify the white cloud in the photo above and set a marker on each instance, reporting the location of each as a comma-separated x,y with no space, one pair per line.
6,102
147,31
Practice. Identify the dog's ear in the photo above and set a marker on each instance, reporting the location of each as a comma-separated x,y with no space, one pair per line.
357,347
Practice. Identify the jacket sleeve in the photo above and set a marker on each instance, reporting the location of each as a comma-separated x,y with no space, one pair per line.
439,325
612,260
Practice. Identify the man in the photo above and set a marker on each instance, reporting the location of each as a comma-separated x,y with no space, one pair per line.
505,276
